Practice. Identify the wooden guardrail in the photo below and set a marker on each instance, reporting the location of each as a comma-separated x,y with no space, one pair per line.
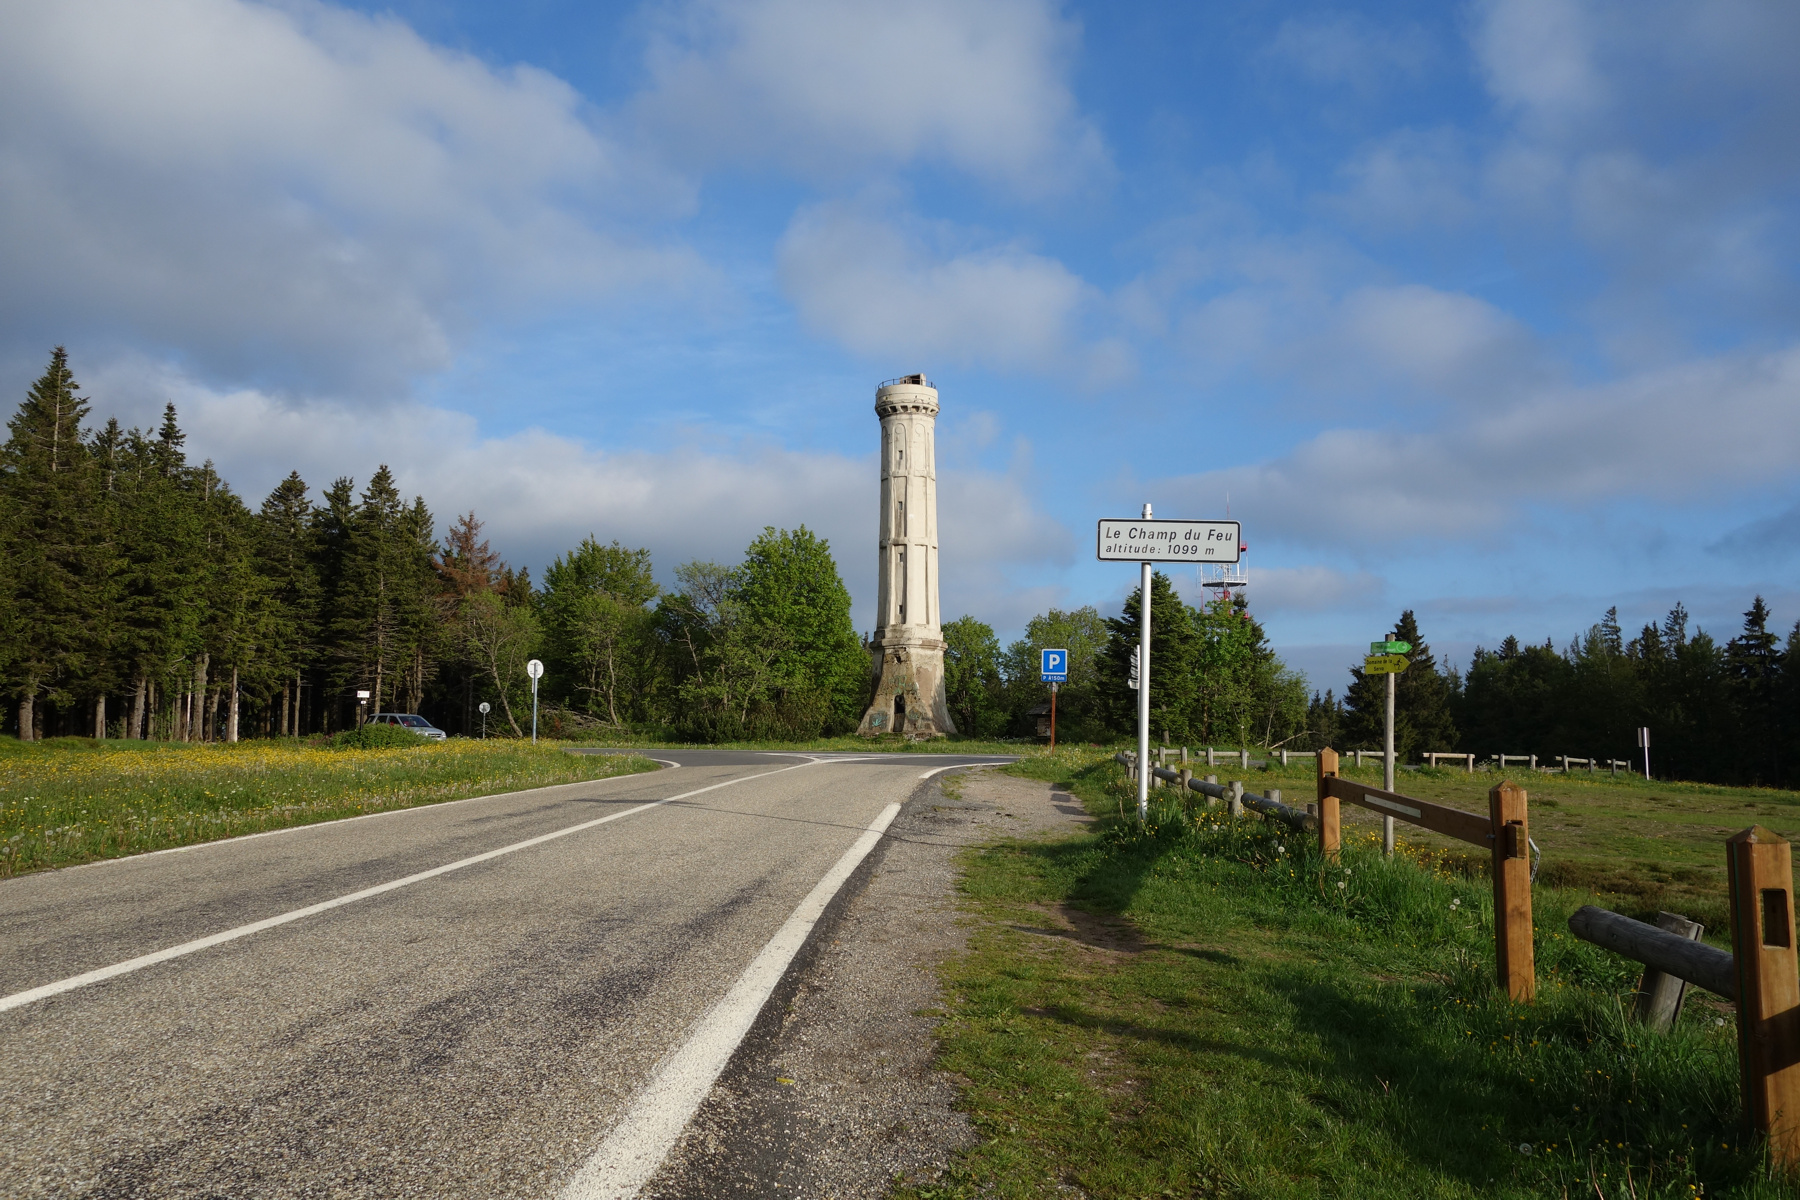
1761,975
1503,832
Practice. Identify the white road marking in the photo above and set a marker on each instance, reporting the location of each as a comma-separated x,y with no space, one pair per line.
951,767
637,1146
18,999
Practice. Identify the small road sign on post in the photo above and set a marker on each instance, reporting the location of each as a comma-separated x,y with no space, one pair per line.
1390,647
1128,539
1384,664
535,669
1053,666
484,708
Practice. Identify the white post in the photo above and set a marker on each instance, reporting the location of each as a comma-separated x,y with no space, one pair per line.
534,710
1387,772
1143,790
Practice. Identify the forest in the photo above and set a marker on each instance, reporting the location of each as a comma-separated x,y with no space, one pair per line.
141,597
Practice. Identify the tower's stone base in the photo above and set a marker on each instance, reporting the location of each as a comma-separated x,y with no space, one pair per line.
909,690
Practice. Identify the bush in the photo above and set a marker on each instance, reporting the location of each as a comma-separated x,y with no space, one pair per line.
378,737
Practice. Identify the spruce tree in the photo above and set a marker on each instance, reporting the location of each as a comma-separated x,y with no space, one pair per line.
1424,700
50,484
1174,675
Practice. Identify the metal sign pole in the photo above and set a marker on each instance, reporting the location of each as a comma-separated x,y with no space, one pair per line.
535,669
1053,688
1143,758
1387,773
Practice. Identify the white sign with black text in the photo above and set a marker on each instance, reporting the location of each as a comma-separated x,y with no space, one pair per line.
1132,540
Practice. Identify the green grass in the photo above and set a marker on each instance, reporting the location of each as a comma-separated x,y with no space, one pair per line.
1640,846
1206,1008
71,800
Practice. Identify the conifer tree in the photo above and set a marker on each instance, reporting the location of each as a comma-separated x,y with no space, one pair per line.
1424,699
1174,672
50,481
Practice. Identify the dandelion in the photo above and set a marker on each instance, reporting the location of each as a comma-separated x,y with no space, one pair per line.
1524,1147
1340,885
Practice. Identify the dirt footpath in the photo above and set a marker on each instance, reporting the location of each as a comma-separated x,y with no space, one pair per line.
834,1094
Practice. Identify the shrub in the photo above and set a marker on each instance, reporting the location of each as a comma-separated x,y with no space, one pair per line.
378,737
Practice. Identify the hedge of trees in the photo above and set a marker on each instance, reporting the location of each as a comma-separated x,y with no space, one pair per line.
1214,677
140,597
1725,713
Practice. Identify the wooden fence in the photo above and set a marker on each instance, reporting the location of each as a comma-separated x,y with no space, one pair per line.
1761,976
1503,832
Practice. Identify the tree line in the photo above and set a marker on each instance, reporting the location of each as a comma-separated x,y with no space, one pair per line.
140,597
1717,712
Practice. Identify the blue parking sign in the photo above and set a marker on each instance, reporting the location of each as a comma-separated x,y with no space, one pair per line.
1054,665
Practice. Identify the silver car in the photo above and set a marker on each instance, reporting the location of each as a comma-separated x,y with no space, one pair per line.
412,721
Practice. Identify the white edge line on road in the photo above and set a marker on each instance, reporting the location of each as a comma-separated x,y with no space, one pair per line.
18,999
637,1146
336,821
951,767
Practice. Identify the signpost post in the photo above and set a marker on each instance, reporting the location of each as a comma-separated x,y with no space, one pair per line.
1146,541
1387,658
1053,666
484,709
1644,743
362,703
535,669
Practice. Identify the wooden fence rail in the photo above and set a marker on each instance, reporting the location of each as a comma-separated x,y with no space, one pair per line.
1761,974
1503,832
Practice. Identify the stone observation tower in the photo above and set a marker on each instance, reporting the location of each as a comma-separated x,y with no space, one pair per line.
908,651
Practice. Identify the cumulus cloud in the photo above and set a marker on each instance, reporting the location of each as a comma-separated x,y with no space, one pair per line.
837,87
540,493
295,194
1705,428
885,289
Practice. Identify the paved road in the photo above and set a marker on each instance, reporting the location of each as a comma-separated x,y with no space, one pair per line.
477,1032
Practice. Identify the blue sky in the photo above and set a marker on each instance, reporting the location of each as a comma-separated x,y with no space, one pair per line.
1485,310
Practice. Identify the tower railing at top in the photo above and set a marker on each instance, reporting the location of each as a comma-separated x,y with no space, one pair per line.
920,380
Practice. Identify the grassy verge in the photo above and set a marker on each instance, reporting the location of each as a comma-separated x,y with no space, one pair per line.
1205,1008
71,800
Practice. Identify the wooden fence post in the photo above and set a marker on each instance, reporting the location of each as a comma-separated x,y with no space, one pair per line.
1187,775
1513,951
1760,873
1328,805
1660,994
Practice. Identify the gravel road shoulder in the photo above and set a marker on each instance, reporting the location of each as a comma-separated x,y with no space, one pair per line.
834,1094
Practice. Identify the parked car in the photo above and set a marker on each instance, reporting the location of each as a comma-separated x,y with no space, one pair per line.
412,721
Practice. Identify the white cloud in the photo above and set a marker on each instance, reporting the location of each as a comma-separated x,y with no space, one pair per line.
885,290
539,493
834,88
1445,341
1707,428
297,194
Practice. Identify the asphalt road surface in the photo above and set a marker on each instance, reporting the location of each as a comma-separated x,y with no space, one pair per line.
416,1004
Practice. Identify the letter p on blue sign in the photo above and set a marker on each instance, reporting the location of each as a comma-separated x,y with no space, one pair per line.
1054,665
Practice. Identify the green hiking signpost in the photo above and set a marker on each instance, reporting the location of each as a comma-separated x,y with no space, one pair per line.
1387,657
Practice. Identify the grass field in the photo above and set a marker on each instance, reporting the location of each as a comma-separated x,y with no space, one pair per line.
1205,1008
1641,846
71,800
